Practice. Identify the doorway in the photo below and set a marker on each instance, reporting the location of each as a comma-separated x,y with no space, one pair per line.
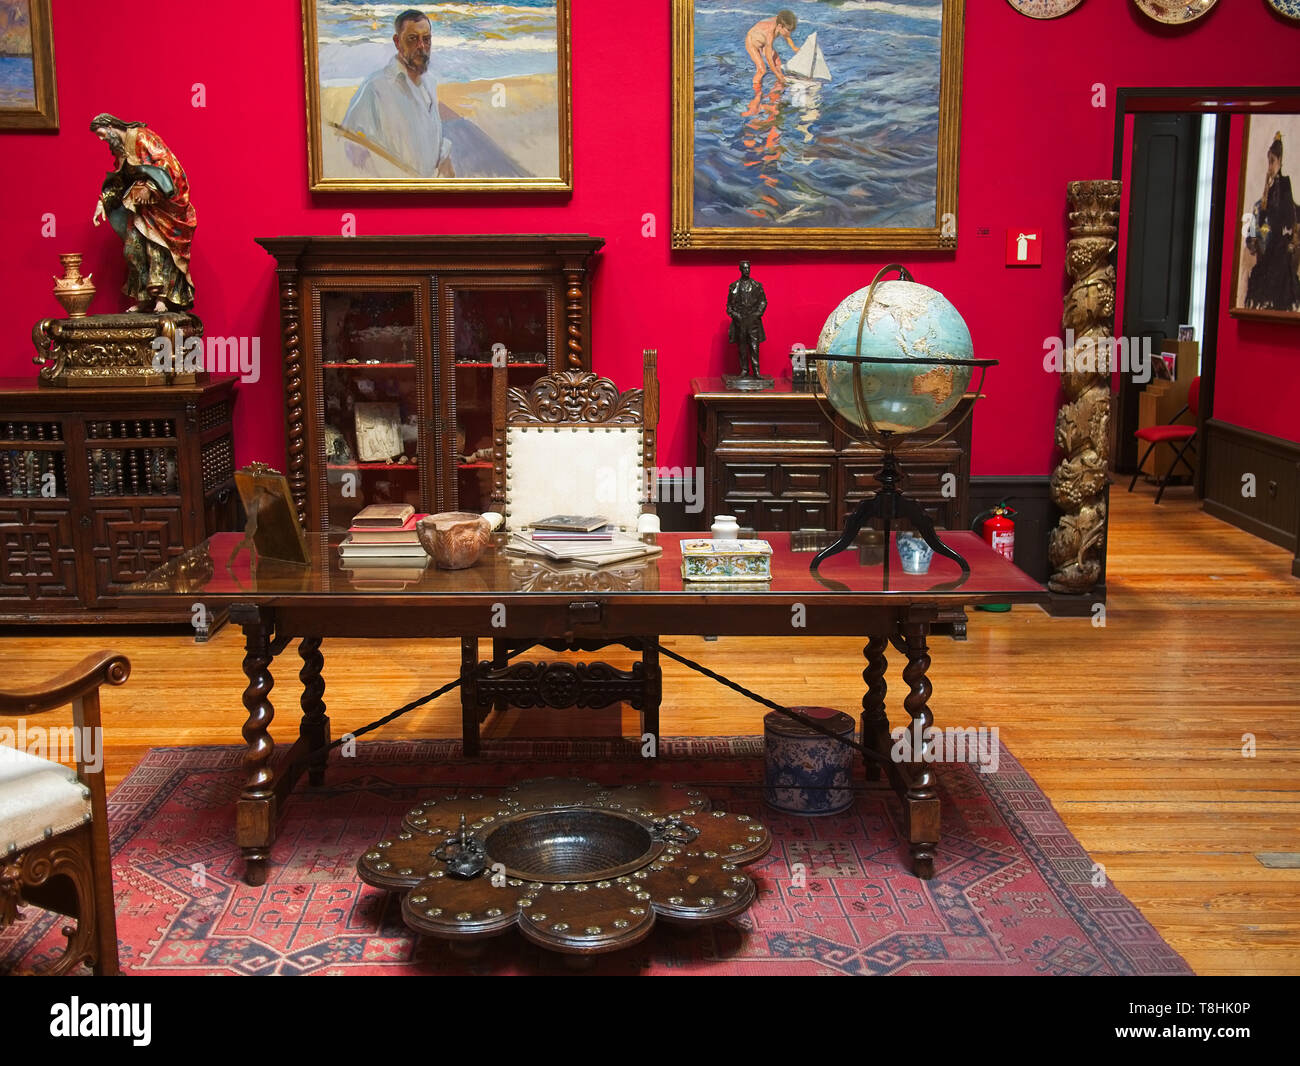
1177,144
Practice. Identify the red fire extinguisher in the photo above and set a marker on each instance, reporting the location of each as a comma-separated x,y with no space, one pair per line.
1000,533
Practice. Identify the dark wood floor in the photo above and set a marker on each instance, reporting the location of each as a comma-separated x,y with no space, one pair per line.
1134,730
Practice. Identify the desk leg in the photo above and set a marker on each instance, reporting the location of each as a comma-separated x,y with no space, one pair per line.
920,799
875,723
314,729
654,689
255,811
468,695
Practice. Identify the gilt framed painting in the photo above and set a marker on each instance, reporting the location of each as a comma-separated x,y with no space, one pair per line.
1266,278
810,124
28,99
460,97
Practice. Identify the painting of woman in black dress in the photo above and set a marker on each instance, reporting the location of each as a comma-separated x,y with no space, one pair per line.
1271,251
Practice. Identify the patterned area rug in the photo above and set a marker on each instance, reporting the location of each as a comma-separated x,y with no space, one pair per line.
1013,891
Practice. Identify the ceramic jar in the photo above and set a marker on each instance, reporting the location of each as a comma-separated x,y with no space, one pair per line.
806,772
725,527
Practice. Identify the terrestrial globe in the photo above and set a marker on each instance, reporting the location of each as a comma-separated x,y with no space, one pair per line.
895,357
892,359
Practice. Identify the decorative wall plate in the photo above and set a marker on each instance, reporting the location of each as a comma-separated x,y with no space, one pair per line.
1287,8
1174,12
1044,9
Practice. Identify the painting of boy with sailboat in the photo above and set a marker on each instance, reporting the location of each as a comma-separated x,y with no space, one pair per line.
822,129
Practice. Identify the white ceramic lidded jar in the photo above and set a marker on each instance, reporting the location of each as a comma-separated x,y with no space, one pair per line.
725,527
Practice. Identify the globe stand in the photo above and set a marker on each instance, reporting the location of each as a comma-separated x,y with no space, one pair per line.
887,505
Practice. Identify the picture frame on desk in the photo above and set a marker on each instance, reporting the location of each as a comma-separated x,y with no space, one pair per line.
29,98
782,151
497,79
272,525
1266,262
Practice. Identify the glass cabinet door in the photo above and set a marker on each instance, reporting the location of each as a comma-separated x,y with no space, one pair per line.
373,356
487,322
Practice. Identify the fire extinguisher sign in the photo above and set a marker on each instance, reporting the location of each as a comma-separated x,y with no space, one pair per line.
1004,543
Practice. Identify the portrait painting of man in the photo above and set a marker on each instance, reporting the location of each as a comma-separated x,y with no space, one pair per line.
442,96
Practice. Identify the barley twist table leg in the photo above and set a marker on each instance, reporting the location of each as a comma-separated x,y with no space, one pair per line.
255,811
921,799
315,725
875,723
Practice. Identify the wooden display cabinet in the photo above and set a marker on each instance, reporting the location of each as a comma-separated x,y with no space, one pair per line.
389,349
99,486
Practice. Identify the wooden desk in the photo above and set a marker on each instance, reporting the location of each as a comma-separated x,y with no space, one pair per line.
507,596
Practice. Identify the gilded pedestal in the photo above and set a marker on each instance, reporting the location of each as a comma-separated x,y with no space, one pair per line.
126,349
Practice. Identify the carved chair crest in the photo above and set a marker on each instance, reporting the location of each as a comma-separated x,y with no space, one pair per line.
574,397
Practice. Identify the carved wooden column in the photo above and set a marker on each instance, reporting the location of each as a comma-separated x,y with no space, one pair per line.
295,422
576,314
1077,548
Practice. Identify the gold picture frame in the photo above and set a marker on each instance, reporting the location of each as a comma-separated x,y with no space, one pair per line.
504,126
1258,286
272,526
43,111
738,157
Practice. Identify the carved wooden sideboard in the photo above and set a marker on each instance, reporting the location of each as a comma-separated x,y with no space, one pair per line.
389,345
99,486
775,461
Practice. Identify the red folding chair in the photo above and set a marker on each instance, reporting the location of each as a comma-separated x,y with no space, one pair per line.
1172,434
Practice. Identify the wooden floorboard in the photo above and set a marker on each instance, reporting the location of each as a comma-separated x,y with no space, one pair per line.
1134,729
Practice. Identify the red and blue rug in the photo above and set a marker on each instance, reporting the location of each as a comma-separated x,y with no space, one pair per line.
1013,891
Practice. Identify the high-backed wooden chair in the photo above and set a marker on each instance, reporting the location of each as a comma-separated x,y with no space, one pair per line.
570,443
53,822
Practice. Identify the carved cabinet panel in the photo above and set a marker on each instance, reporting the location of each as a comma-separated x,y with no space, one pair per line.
128,542
37,559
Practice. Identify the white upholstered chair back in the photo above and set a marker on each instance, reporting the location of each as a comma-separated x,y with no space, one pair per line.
575,470
571,443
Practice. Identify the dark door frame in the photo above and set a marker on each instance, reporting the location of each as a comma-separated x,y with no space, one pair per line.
1223,100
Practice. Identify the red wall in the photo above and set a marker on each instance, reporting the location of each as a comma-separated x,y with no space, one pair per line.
1257,375
1028,127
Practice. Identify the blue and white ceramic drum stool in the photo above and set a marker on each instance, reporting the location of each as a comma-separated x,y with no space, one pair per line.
806,772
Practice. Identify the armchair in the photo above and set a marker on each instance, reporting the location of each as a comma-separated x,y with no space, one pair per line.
54,823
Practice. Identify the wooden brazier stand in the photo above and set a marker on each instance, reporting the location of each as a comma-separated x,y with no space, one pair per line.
276,603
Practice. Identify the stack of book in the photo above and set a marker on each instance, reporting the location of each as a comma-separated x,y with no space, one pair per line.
580,540
382,549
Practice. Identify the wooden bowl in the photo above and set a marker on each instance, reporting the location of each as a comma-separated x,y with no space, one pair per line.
455,539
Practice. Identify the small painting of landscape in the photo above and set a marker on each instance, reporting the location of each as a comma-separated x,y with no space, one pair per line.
17,67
